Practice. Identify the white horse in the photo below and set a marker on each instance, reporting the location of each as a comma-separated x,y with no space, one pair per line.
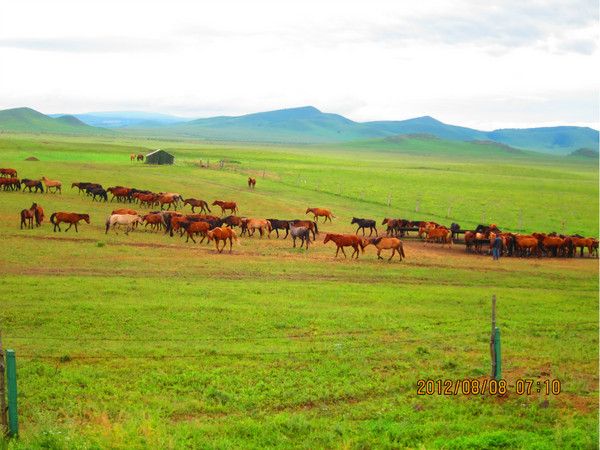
129,220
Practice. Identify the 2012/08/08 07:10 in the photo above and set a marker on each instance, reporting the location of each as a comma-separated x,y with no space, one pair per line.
474,386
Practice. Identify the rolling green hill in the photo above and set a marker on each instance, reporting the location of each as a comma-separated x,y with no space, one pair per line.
31,121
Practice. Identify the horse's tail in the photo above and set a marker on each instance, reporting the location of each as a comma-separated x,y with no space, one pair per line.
402,250
206,204
107,225
52,217
269,226
235,238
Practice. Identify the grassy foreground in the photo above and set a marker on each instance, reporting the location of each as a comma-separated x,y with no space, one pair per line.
144,341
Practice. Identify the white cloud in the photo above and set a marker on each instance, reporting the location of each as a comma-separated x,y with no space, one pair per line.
466,62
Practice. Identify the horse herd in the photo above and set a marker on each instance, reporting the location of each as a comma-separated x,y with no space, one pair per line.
221,229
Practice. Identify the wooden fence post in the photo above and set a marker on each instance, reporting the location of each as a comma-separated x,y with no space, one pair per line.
3,418
11,375
492,336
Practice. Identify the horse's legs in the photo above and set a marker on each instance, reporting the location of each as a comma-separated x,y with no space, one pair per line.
70,225
393,253
345,256
76,231
337,251
230,244
379,254
294,239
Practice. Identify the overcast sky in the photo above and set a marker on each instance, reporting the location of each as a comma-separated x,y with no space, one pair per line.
516,63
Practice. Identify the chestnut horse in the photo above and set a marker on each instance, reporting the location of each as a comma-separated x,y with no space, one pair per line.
582,243
140,157
39,215
251,183
222,234
119,192
386,243
523,244
132,157
9,173
312,226
52,184
192,228
27,216
169,199
441,233
346,240
320,212
226,206
262,225
197,204
67,217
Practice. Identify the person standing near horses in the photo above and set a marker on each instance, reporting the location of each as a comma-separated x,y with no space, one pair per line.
497,247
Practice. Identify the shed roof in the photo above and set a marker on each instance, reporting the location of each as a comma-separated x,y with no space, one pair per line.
158,151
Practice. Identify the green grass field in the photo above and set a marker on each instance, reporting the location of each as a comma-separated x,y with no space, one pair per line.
144,341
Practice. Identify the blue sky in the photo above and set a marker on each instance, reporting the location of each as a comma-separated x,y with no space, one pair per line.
480,64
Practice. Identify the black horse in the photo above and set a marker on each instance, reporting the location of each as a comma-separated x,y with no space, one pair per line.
455,228
32,184
97,192
364,223
277,225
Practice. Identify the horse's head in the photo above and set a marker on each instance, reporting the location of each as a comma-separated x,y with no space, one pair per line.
327,238
354,220
86,217
216,202
210,235
308,210
385,221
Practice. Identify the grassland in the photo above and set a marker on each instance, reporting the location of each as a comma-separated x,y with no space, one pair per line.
144,341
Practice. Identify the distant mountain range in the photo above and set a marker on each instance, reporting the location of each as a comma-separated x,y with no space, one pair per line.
295,125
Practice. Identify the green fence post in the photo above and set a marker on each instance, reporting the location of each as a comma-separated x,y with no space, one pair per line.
11,376
497,354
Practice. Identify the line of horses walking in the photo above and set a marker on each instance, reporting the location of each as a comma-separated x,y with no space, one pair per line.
166,218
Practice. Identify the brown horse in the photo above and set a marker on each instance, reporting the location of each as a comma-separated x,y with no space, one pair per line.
226,206
312,226
320,212
67,217
140,157
194,203
132,157
346,240
192,228
119,192
169,199
251,183
10,184
39,215
222,234
9,173
149,199
131,212
525,244
443,234
581,243
386,243
27,216
154,220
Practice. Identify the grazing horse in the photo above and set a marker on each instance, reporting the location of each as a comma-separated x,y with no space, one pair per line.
52,184
197,204
393,226
262,225
345,240
27,216
301,233
551,244
364,223
277,225
386,243
128,220
581,243
32,184
320,212
195,227
67,217
251,183
132,157
527,244
9,173
226,206
140,157
12,184
441,233
39,215
222,234
312,226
